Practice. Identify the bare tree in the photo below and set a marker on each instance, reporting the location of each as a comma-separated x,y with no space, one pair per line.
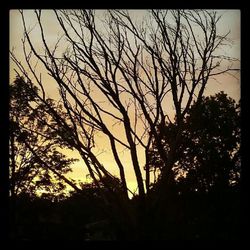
129,73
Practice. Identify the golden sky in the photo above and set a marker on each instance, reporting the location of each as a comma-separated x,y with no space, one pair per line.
231,85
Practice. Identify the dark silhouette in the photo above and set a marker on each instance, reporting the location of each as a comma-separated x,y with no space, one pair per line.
203,204
119,81
208,156
36,164
202,197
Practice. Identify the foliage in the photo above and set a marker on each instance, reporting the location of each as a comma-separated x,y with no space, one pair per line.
208,156
35,162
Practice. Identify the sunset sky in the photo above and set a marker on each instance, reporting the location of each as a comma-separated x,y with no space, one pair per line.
230,84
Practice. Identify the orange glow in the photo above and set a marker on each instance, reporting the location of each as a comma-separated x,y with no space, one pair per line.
226,83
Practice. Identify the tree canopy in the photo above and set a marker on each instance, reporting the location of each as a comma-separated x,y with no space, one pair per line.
36,165
208,156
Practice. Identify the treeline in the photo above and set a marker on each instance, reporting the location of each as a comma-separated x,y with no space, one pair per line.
214,215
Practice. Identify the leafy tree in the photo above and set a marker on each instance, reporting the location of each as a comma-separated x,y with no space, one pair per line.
36,165
202,196
208,157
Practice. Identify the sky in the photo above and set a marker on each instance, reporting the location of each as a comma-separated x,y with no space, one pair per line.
230,21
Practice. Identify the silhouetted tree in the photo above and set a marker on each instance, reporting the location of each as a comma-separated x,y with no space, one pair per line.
125,74
202,196
36,165
208,156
